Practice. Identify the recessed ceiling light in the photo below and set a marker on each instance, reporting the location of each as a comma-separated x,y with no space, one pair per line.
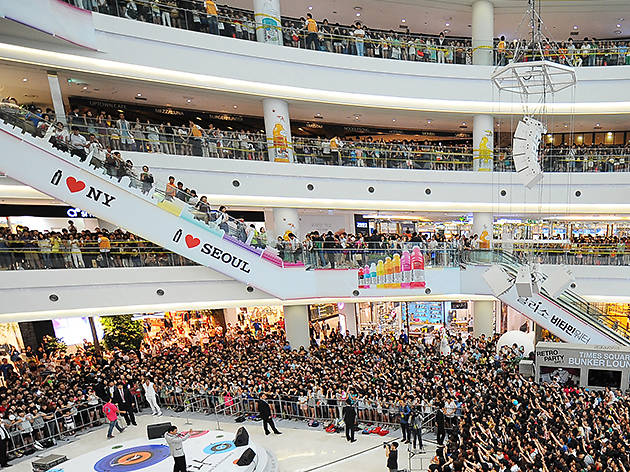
566,125
446,31
310,7
448,24
463,123
85,88
235,107
24,79
575,27
394,120
139,94
358,14
617,31
188,100
356,117
429,122
619,19
403,20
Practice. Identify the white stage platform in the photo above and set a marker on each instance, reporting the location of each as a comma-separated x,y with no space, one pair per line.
206,451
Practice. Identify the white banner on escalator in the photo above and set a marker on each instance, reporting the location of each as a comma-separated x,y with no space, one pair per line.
555,319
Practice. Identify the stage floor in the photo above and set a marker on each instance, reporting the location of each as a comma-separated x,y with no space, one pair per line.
298,449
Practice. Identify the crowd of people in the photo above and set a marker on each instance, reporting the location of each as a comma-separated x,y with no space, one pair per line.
355,39
488,416
69,248
72,249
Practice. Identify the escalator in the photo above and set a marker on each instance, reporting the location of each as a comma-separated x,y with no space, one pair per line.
210,240
567,316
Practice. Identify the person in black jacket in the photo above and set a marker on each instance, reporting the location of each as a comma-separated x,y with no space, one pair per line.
439,421
391,452
123,399
265,414
350,419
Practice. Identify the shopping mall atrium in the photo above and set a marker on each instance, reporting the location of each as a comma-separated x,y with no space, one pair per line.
396,232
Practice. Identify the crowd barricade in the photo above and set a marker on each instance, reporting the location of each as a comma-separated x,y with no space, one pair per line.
61,424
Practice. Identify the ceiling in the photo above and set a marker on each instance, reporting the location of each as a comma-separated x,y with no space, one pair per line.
598,18
35,89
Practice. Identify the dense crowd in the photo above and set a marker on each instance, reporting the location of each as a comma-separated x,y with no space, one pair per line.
355,39
497,420
193,139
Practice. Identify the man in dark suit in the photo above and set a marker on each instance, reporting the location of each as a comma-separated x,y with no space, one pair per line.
123,399
4,443
350,419
265,413
441,429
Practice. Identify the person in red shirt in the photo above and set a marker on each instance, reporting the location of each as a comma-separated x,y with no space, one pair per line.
111,413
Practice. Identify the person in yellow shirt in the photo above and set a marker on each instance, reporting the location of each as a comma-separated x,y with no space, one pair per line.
213,17
104,248
501,52
312,39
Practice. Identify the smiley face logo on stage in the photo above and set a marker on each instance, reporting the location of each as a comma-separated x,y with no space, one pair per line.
133,458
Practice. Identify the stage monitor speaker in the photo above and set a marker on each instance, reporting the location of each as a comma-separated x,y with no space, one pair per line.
242,437
498,280
247,457
157,431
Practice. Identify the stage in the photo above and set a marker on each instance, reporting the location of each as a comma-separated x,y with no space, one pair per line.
206,451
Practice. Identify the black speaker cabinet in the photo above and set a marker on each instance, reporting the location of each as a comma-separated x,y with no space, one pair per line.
247,457
242,437
156,431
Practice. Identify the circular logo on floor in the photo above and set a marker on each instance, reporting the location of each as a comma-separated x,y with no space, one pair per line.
197,434
219,448
133,458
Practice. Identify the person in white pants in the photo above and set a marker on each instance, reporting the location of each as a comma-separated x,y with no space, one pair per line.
149,393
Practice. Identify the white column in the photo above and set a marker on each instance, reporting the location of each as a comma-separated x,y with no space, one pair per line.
296,326
57,98
482,226
278,130
483,318
483,32
349,313
483,143
286,219
268,21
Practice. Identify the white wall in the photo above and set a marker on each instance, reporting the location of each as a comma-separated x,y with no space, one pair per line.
394,189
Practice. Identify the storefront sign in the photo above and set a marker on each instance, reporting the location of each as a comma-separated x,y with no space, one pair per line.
555,319
587,358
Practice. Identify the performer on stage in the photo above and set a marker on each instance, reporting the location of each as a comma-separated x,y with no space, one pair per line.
176,444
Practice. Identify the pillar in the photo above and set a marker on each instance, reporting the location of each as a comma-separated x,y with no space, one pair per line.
286,219
482,226
278,130
349,313
57,99
483,318
483,143
268,21
296,326
483,32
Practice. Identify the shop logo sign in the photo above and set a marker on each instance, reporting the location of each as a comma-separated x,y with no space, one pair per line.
74,186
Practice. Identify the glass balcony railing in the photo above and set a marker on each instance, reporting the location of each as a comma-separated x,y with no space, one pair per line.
167,139
352,40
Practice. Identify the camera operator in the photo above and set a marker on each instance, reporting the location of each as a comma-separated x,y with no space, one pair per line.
391,452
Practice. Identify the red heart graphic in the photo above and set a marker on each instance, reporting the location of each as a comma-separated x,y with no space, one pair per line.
191,241
75,185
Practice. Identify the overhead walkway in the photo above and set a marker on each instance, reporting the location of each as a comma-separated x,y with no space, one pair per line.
218,242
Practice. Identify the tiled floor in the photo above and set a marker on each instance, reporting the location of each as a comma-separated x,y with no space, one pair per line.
298,449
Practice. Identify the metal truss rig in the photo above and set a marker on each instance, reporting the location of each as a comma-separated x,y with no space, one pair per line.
534,78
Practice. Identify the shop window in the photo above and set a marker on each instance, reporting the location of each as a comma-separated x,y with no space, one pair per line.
604,378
